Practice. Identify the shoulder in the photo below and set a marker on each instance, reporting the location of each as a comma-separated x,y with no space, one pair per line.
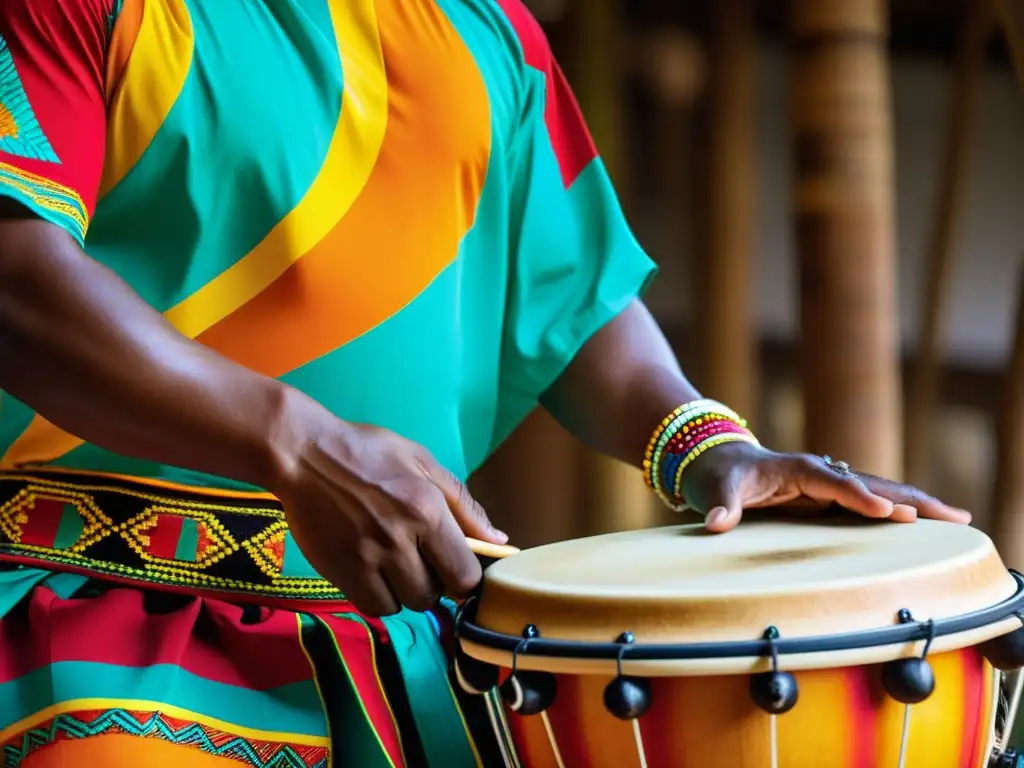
528,32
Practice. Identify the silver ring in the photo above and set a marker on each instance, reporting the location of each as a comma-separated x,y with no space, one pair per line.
839,467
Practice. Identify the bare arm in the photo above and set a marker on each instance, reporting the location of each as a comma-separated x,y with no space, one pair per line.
82,349
623,382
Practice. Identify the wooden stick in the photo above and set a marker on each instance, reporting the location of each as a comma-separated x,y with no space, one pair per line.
1008,496
921,405
842,128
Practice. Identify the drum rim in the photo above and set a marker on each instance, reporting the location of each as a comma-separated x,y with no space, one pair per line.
533,643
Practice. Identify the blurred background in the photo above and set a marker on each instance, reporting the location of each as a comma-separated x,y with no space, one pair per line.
834,191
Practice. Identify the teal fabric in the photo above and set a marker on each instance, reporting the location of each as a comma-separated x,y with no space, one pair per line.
425,673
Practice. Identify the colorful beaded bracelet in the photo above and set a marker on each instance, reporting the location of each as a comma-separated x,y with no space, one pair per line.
682,436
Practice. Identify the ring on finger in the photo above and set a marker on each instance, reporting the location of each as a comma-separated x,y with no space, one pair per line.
839,467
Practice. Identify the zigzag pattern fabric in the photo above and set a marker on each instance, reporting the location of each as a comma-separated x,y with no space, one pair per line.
20,132
81,725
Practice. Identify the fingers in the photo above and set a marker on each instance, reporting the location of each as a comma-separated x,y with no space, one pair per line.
410,580
818,481
470,516
924,505
371,594
449,556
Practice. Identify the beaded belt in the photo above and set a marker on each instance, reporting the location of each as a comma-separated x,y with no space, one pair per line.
159,535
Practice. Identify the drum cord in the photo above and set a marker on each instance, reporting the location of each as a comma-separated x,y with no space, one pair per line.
905,738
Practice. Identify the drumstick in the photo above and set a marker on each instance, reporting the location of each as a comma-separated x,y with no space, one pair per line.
491,551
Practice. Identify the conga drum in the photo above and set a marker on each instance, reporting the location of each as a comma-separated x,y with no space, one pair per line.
787,643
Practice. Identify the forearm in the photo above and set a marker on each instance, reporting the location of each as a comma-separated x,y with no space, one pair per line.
83,350
623,382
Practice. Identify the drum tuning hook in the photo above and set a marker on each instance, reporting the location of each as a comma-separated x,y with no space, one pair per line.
775,692
628,698
530,692
911,681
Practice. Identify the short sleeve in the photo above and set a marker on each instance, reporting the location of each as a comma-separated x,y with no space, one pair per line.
575,264
53,107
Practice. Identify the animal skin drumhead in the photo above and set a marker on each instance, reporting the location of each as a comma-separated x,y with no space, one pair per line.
806,576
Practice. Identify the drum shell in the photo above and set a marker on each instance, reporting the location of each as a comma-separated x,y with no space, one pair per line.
843,719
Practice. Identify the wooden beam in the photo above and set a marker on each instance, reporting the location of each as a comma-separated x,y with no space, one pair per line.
842,129
952,190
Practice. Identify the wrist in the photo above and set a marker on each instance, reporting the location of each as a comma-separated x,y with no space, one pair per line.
292,425
681,437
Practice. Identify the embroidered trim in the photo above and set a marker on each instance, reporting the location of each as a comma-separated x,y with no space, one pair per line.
64,202
156,725
137,532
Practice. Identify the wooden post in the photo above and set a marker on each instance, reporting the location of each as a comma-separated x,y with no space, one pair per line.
1011,14
616,497
924,390
842,127
530,486
1008,496
725,202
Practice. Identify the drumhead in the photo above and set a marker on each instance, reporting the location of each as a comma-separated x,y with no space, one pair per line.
806,577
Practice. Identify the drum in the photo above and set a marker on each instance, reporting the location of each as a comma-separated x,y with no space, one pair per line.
832,643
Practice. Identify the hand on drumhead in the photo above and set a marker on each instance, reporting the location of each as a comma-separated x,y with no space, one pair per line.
731,477
376,515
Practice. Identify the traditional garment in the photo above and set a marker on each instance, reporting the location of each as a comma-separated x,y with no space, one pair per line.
392,205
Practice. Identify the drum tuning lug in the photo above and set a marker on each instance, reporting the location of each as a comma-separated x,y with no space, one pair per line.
530,632
628,698
774,692
908,681
529,693
904,616
1006,652
1011,758
474,676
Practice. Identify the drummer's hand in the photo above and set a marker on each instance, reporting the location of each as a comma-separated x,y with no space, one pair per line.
376,515
734,476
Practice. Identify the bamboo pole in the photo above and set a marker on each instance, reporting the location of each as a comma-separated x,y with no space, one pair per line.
1008,495
724,297
842,126
961,121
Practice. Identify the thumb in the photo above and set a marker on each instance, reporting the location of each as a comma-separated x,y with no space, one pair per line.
726,511
468,513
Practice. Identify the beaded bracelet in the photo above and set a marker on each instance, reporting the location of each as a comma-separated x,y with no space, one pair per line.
682,436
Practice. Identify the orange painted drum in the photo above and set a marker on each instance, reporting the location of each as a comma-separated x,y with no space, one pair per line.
840,610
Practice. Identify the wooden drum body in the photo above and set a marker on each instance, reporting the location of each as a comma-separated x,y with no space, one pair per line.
838,643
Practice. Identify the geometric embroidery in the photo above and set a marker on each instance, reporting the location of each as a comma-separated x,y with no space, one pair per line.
132,531
20,132
156,725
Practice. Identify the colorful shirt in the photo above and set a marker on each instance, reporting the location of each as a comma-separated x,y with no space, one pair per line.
392,205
